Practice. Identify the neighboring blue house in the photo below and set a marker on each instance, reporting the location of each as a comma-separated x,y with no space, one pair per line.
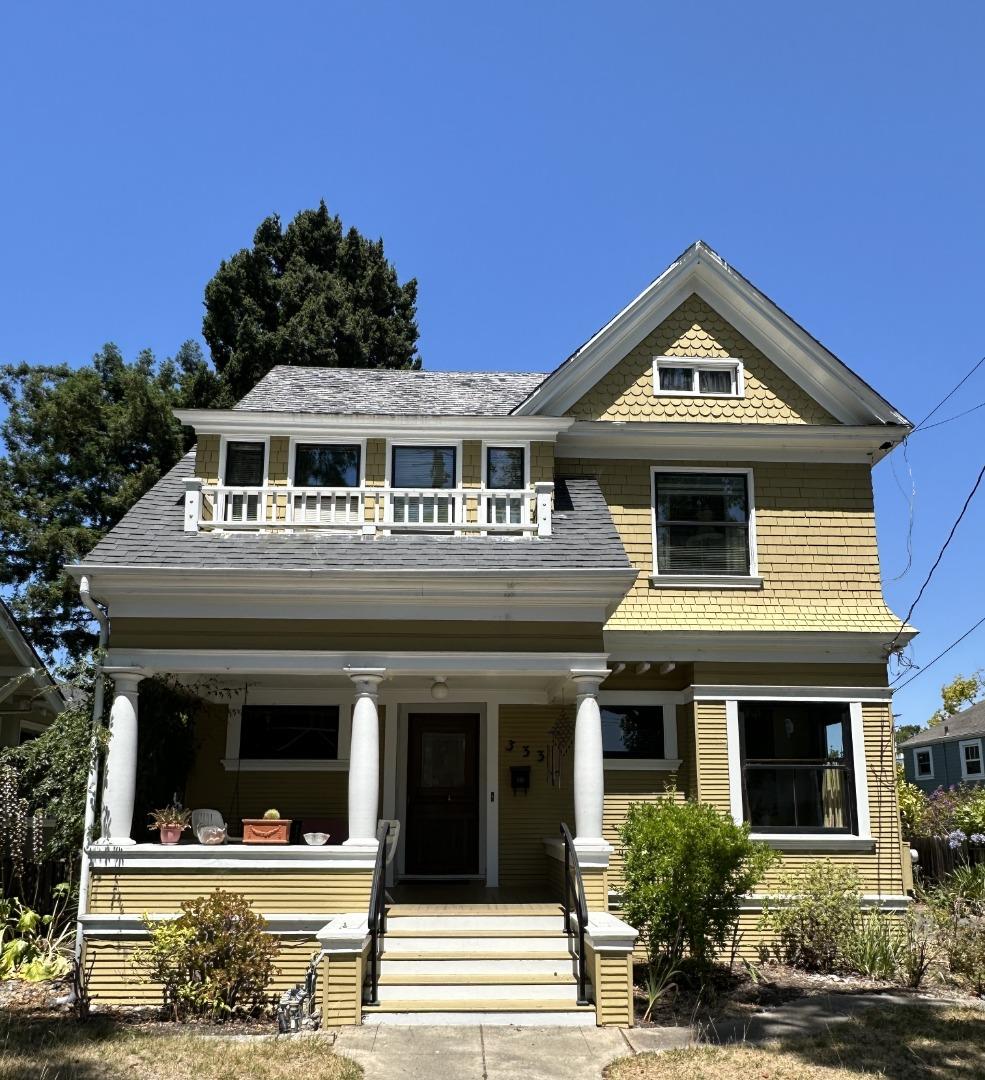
949,753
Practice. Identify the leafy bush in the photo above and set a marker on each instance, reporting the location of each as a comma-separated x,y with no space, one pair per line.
958,905
215,960
687,867
912,805
34,947
959,808
813,919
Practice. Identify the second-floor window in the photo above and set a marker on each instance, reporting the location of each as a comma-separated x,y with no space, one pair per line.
701,524
505,469
432,468
244,468
326,465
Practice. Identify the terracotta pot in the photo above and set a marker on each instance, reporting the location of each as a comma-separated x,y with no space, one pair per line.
171,834
266,830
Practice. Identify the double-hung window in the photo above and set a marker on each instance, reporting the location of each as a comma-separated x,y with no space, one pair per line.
702,524
679,377
326,471
505,472
244,468
797,766
424,472
923,764
971,759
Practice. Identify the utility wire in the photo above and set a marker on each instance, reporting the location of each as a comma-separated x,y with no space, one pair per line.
927,667
940,555
957,416
949,395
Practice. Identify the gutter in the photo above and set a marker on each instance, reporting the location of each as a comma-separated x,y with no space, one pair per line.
93,779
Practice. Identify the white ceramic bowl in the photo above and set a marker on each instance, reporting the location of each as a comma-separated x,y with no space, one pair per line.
316,839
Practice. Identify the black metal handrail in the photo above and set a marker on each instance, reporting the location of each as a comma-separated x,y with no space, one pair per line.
377,914
574,887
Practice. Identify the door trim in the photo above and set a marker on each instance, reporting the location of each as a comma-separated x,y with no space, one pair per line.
481,710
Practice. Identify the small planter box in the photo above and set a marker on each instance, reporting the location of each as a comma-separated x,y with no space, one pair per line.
266,830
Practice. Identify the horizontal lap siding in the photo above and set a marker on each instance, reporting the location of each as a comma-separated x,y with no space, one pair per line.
342,992
712,754
612,984
526,820
321,892
622,790
115,977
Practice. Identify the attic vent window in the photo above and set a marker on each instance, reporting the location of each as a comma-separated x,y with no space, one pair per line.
675,376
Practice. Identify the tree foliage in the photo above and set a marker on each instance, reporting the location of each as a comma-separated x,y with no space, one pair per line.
82,445
312,294
958,694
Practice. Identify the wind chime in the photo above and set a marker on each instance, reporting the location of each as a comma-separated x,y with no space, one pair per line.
562,736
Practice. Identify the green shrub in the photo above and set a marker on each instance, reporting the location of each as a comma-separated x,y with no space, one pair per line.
813,919
873,946
958,905
215,960
687,867
35,947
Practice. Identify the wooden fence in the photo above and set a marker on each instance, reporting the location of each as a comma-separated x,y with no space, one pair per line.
936,859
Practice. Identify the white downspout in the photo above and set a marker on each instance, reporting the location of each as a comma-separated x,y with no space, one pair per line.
93,781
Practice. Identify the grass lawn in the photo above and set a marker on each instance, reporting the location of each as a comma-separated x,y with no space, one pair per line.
900,1043
46,1047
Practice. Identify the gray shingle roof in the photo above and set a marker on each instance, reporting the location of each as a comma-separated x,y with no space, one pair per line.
406,393
152,534
962,725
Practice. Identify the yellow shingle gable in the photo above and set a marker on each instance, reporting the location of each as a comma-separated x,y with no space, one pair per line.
695,330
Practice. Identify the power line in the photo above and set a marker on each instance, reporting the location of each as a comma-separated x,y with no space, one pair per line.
949,395
927,667
940,555
957,416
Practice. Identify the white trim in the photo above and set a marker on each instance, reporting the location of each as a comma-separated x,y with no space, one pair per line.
435,442
296,440
917,774
641,764
753,646
861,840
742,580
225,440
683,441
231,857
105,924
965,775
327,426
698,364
668,700
753,902
491,794
704,581
589,855
711,692
703,271
503,444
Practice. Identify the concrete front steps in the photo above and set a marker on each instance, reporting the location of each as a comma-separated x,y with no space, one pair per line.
466,966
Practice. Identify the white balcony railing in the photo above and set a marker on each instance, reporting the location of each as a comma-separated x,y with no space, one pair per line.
369,509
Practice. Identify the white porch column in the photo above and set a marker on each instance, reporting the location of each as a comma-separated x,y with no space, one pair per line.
120,775
364,757
589,777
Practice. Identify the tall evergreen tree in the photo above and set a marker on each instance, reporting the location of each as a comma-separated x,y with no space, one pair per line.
312,295
81,446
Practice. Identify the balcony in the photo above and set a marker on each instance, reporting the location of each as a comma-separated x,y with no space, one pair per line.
457,511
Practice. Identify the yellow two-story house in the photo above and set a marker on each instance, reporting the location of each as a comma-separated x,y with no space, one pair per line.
460,622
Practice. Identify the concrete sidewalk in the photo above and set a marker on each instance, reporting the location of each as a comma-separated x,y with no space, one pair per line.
496,1053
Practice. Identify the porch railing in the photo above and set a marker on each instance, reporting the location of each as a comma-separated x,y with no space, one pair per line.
377,916
370,509
575,905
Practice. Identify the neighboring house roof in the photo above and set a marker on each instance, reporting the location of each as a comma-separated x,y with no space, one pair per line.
373,391
151,534
701,270
963,725
32,665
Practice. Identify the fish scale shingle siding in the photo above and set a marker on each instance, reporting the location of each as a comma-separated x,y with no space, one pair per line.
816,543
694,330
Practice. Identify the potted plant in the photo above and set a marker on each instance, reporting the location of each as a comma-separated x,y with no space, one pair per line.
171,822
270,829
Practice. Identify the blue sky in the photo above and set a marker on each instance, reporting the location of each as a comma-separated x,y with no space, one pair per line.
534,166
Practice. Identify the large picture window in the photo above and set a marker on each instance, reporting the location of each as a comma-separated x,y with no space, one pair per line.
289,732
701,523
632,731
326,465
797,766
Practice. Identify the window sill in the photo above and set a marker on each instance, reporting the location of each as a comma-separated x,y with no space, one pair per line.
285,764
705,581
696,394
642,764
819,842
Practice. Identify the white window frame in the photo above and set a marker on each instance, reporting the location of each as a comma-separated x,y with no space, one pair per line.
965,775
669,701
224,442
270,695
699,363
297,440
752,580
917,774
861,839
437,443
503,444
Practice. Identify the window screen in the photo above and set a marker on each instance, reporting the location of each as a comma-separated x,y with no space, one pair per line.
244,464
309,732
702,523
331,466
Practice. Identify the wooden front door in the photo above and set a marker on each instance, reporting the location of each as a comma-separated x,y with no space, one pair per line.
442,794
